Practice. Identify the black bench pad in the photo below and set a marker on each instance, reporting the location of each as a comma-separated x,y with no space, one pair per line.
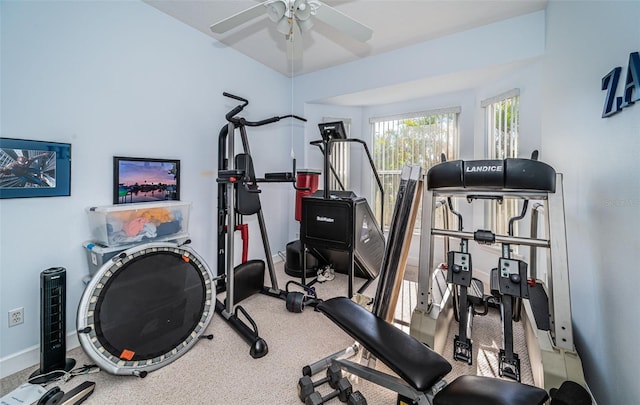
515,174
413,361
476,390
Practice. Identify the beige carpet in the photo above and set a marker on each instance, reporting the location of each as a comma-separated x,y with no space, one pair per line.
221,371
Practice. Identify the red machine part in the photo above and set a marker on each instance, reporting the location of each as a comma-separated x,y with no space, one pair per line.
305,179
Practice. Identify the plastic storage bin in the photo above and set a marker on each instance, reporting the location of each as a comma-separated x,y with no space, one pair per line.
125,224
98,255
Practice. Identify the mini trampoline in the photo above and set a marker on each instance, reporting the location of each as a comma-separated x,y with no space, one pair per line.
145,308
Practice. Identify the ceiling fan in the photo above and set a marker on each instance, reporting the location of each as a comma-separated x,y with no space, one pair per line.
293,17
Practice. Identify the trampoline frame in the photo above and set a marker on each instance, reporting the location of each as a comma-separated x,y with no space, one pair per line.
86,323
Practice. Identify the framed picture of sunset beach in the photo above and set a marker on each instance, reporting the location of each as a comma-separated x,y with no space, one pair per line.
138,179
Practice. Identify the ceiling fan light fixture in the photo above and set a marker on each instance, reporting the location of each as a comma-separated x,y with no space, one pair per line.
305,25
276,10
294,17
302,10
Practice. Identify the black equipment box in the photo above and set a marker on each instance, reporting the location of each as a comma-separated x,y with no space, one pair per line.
343,223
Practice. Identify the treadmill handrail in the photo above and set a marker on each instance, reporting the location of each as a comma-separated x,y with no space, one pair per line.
371,163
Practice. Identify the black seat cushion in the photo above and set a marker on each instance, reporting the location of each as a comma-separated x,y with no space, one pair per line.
476,390
414,362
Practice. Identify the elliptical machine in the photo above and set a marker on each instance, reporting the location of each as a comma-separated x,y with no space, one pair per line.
238,195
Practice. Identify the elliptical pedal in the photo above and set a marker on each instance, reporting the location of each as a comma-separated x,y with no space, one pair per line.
463,349
508,283
477,297
460,275
509,367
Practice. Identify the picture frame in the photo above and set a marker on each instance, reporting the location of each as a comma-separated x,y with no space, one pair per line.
31,168
139,179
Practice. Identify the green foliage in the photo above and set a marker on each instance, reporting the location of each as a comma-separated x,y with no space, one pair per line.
411,141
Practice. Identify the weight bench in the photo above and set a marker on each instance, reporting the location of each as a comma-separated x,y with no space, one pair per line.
421,370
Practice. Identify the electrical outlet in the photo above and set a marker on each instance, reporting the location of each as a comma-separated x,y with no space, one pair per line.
16,317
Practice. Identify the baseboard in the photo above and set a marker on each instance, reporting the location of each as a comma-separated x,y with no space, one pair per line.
30,357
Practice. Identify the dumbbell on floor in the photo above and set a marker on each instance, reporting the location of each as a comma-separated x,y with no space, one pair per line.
306,386
356,398
343,391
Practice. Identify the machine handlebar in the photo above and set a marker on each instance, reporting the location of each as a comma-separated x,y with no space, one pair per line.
230,116
244,100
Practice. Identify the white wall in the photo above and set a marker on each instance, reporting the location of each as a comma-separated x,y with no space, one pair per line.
118,78
600,159
465,52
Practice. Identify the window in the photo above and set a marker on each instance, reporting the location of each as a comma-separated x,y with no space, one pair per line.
502,132
340,158
417,138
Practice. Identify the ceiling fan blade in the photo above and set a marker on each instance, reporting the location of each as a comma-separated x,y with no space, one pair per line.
239,18
344,23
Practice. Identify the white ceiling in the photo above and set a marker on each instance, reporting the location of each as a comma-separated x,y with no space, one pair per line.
395,23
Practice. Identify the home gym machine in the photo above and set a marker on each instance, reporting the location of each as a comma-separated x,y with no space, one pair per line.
541,300
418,371
339,224
238,195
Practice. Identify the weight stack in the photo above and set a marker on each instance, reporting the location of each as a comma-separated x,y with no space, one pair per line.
53,345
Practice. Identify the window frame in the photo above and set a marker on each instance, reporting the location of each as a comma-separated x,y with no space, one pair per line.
501,119
340,159
452,150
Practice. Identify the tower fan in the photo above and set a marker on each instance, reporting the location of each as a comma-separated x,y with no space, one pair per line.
53,346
